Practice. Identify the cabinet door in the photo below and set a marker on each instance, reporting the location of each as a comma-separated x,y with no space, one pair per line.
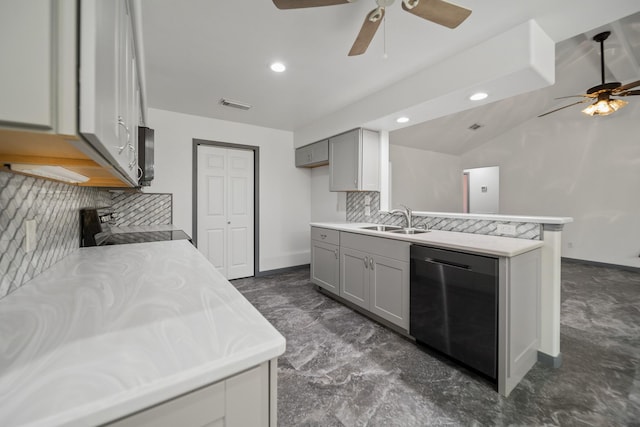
354,276
26,83
99,77
325,266
344,163
320,152
389,281
303,156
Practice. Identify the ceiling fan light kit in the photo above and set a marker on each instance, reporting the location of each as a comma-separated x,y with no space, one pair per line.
437,11
604,104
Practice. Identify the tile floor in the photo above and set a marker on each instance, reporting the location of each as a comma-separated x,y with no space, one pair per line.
342,369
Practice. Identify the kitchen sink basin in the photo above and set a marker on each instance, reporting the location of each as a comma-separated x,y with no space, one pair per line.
409,231
382,228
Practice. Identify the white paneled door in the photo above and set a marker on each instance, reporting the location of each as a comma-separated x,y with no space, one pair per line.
225,209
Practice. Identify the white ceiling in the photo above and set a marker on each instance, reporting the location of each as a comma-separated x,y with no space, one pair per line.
199,51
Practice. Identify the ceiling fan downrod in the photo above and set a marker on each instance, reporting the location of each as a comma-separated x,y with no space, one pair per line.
600,38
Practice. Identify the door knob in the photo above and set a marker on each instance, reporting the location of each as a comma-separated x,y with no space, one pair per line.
228,222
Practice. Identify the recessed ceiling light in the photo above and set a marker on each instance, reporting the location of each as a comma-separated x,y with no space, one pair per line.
402,119
478,96
278,67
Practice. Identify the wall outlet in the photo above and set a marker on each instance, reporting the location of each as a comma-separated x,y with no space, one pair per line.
367,200
506,229
30,231
570,245
367,211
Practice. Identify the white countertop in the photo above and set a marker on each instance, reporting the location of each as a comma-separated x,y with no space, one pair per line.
111,330
476,243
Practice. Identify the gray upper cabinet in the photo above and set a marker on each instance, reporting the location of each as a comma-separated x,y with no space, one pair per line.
354,161
312,155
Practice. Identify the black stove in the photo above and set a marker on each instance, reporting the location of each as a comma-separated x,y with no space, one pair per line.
97,228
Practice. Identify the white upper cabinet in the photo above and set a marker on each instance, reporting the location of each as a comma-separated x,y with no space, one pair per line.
108,108
354,161
70,92
26,79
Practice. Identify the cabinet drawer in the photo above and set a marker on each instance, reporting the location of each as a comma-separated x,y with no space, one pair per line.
390,248
325,235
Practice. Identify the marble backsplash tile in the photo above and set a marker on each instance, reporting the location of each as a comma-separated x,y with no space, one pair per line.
356,213
135,208
54,206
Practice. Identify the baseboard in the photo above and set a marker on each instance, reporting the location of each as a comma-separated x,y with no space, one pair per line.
601,264
282,270
548,360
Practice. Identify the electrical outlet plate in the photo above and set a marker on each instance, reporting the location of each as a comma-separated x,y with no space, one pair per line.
30,240
506,229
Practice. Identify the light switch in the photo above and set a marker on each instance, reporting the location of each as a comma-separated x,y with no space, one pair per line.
483,188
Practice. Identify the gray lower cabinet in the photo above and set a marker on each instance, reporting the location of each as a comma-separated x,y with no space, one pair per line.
374,275
246,399
518,311
325,259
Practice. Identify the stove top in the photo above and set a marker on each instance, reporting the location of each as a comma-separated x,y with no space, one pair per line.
98,229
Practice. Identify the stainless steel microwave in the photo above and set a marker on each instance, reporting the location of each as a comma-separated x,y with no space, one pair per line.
145,155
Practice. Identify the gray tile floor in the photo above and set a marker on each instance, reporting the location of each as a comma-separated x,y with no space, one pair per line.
341,369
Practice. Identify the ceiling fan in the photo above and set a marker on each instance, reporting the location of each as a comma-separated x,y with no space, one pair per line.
438,11
602,93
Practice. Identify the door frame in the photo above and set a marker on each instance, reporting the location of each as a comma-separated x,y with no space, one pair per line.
256,193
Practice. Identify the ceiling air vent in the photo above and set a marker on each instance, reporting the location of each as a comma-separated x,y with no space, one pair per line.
234,104
475,126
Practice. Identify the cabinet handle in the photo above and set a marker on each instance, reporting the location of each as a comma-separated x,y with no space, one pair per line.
371,263
128,143
335,251
323,236
355,183
366,262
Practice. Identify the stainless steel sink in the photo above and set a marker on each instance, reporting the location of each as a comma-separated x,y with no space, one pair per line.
409,231
382,228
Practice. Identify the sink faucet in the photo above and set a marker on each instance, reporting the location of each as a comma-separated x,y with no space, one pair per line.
407,214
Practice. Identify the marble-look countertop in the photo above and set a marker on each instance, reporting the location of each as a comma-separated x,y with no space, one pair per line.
111,330
468,242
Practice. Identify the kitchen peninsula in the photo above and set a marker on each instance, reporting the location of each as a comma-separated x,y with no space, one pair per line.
368,266
130,333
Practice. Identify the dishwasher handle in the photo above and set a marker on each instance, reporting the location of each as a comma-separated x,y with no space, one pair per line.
447,263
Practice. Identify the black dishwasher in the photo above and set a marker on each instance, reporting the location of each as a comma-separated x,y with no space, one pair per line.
454,305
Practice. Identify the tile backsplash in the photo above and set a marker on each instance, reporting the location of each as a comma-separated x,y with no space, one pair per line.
54,207
133,208
356,213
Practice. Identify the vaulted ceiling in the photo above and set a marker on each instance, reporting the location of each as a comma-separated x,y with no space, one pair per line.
199,51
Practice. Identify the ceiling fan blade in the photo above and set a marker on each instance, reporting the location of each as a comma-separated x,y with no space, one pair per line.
299,4
367,31
440,12
625,87
566,106
628,93
586,95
